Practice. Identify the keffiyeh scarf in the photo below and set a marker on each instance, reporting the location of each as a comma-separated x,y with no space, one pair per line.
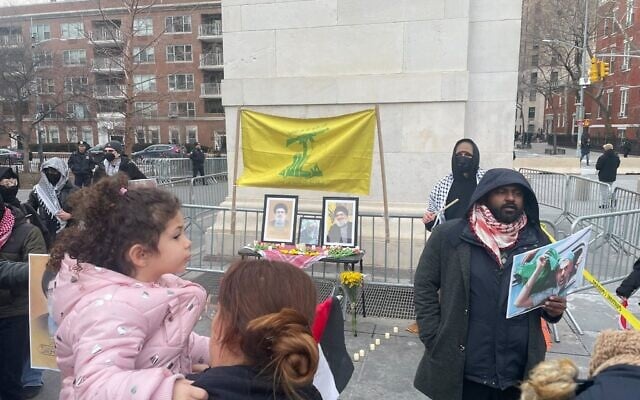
6,226
494,235
48,194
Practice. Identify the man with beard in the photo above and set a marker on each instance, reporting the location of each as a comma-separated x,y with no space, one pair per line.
342,229
472,351
279,226
115,161
459,184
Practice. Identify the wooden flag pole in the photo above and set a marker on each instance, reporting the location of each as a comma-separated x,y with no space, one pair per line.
235,174
383,174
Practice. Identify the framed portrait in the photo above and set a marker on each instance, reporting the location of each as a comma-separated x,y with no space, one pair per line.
310,230
279,218
340,221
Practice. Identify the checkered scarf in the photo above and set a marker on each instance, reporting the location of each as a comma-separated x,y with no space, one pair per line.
494,235
6,226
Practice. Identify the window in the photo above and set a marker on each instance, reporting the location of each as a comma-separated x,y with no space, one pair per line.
179,52
560,101
534,60
605,26
554,76
146,109
534,78
178,24
144,83
532,112
75,84
181,82
45,86
626,59
72,134
532,95
43,59
629,14
87,135
192,134
144,55
40,32
612,59
53,134
624,101
73,30
75,57
77,111
182,109
609,100
49,110
213,106
174,134
147,134
142,27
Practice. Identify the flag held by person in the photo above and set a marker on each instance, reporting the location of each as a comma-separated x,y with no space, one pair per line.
328,154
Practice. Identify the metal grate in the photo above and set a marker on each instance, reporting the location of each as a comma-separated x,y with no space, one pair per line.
388,301
381,300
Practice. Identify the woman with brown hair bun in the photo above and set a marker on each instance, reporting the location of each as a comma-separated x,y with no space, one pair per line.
261,343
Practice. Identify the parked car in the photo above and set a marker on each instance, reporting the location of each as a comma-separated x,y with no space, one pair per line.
160,151
8,156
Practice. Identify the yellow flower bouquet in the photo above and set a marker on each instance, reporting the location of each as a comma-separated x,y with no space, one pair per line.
351,282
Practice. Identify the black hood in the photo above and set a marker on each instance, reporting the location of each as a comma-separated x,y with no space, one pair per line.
475,160
7,173
494,178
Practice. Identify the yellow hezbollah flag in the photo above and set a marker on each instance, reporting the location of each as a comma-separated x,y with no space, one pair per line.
332,154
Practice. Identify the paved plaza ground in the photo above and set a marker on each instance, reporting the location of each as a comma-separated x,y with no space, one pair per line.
388,371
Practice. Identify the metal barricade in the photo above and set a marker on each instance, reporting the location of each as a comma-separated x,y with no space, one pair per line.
208,190
624,200
214,245
167,169
549,187
583,197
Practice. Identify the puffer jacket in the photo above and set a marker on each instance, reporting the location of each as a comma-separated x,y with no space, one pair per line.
25,239
119,338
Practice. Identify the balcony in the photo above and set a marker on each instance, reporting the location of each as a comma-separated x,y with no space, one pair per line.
210,32
109,91
106,37
11,40
211,61
210,90
108,65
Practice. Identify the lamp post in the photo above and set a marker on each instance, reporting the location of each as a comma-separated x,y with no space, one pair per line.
584,80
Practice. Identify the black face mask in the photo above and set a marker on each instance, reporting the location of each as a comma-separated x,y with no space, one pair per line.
9,193
464,164
53,176
110,157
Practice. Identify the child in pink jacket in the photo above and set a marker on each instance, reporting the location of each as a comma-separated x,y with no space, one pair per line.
124,320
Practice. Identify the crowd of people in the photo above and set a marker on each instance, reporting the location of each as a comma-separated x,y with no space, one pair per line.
125,320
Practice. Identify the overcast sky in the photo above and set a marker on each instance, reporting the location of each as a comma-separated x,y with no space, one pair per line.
20,2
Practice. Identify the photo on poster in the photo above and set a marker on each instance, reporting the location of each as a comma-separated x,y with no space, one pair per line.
279,218
340,221
42,328
309,231
551,270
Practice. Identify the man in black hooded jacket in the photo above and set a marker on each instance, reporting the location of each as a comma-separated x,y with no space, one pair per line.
472,351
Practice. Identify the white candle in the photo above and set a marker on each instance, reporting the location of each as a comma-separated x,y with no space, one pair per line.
395,329
270,248
313,247
372,347
361,353
377,342
387,335
356,357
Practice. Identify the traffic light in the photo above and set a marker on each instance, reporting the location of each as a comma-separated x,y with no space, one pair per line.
594,71
604,69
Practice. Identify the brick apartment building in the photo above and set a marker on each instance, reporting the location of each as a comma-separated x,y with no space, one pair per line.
171,78
612,105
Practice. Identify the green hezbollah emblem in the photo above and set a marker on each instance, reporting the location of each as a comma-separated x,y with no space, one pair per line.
296,169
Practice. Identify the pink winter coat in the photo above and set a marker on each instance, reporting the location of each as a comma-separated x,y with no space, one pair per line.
119,338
